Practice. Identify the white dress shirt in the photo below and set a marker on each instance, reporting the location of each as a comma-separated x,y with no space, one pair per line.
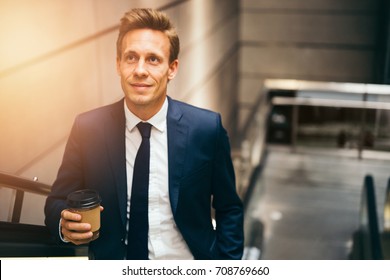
165,239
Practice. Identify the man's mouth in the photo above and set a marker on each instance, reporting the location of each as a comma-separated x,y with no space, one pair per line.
140,85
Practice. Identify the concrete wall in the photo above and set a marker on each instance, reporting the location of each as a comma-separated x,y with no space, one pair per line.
323,40
57,59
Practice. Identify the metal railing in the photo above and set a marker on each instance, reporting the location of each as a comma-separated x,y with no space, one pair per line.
252,142
369,242
332,95
22,185
369,224
24,240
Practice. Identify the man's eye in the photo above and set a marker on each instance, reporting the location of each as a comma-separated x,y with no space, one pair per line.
131,58
154,59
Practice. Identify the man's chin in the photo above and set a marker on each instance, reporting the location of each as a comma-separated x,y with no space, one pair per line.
139,100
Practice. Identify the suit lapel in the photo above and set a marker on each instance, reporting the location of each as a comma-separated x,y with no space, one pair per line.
177,143
115,137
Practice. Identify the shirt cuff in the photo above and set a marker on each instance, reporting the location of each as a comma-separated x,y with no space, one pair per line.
60,233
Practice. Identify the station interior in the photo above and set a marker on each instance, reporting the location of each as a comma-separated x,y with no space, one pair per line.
303,88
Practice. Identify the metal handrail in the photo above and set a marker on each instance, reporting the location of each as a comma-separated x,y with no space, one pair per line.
319,102
296,102
22,184
252,145
369,224
25,240
313,86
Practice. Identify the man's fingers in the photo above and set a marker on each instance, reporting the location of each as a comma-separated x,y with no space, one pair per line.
73,230
77,237
75,226
71,216
77,233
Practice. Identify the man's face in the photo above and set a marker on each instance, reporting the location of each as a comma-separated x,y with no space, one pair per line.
145,70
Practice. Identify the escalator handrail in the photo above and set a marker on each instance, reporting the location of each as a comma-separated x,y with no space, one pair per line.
23,184
26,240
369,221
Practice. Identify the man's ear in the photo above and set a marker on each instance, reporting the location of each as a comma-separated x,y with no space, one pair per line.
173,68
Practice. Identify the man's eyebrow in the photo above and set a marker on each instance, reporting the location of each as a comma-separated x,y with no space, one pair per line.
154,54
147,53
129,52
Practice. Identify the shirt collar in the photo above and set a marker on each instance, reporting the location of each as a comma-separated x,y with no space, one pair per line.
158,120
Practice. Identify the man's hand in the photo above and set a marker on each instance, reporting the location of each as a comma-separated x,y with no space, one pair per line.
73,230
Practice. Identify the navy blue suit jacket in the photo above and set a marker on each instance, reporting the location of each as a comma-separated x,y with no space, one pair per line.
200,176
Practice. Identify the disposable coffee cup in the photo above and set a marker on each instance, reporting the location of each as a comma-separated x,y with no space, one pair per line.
86,203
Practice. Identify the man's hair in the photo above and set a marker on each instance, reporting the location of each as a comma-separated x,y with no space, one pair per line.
149,19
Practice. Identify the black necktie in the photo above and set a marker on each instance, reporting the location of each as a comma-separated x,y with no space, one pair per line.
137,242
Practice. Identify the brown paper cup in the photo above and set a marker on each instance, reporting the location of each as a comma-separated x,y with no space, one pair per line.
86,203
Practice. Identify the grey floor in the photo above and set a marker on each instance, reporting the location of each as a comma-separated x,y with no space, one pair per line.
306,202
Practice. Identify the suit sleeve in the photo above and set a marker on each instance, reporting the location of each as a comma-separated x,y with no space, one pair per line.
226,202
69,178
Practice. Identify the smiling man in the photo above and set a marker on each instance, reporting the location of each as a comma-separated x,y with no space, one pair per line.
158,164
145,70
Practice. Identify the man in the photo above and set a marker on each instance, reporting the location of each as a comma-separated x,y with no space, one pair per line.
189,169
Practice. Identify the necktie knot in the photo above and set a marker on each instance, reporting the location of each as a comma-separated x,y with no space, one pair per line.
144,128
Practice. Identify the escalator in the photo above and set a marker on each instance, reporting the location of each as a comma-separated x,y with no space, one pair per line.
369,241
27,240
306,201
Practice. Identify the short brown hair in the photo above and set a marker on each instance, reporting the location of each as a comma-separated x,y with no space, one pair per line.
150,19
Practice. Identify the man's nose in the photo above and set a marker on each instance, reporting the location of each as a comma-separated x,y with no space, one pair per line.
140,68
